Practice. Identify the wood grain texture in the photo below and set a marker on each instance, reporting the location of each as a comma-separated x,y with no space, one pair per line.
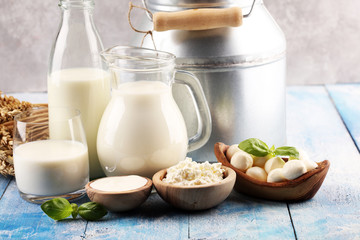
300,189
346,98
4,181
22,220
197,197
198,19
314,125
155,219
242,217
120,201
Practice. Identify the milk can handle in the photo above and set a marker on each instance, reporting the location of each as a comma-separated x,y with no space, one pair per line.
201,108
198,19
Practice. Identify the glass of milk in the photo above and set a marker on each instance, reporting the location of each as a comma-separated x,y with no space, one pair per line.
50,160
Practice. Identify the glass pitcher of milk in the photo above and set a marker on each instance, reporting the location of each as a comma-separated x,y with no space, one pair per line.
142,129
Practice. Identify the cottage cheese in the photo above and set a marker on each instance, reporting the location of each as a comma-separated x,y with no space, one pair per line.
190,173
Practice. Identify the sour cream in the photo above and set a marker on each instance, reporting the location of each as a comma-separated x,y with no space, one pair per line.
119,184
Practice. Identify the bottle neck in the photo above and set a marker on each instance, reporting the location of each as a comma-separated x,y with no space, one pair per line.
77,5
77,11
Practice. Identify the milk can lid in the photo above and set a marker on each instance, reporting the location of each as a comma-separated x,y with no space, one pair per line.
177,5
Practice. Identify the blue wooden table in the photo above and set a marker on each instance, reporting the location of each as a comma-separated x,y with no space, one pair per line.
323,120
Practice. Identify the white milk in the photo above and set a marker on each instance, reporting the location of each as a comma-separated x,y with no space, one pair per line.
51,167
86,89
142,130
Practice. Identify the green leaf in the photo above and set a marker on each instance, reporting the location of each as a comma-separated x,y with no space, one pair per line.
74,210
287,151
57,208
255,147
92,211
272,149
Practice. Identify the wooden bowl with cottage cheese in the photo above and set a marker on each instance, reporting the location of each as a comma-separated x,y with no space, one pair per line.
195,197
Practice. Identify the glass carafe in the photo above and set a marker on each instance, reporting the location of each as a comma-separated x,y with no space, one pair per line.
77,76
142,129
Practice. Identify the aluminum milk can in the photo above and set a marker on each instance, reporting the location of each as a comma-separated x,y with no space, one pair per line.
241,69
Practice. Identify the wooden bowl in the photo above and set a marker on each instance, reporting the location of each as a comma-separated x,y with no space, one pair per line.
120,201
299,189
198,197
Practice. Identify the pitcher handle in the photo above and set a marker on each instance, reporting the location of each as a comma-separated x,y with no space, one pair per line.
201,108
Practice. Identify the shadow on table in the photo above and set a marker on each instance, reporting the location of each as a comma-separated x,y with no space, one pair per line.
155,207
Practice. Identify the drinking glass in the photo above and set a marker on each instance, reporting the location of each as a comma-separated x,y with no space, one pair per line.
50,157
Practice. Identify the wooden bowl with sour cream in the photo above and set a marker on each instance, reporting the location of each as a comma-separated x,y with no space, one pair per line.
117,200
198,197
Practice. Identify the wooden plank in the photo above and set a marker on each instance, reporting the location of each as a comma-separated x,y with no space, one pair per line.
346,98
314,125
4,181
155,219
22,220
241,217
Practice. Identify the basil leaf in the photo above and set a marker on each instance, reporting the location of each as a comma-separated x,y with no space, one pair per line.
287,151
92,211
272,148
57,208
74,210
255,147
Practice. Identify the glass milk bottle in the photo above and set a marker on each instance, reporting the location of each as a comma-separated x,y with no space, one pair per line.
77,77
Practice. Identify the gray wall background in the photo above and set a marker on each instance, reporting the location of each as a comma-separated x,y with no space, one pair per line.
323,38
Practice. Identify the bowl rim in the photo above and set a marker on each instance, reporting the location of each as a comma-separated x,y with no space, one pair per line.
289,183
231,176
147,185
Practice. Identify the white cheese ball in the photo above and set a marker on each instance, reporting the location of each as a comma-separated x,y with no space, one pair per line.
273,163
232,150
310,165
276,175
241,160
293,169
302,154
257,173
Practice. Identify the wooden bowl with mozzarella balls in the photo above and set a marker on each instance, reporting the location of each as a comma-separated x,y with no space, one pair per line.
301,188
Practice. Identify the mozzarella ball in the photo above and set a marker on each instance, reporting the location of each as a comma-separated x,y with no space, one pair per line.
232,150
257,173
293,169
276,175
272,163
302,154
310,165
241,160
